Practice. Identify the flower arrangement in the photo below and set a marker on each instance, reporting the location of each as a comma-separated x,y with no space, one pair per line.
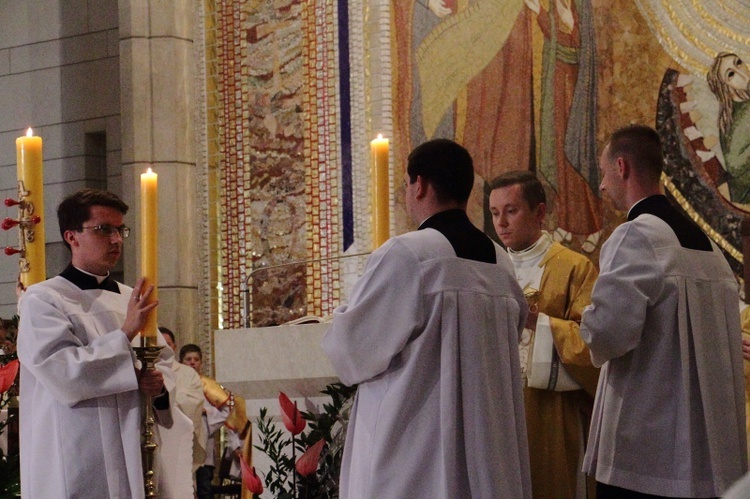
316,472
10,472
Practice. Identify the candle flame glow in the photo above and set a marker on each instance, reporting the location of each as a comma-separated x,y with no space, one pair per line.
29,132
149,171
380,136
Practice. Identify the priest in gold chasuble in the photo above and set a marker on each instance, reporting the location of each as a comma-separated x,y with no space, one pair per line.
560,381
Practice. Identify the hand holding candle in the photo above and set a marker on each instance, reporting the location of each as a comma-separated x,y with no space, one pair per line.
149,248
380,192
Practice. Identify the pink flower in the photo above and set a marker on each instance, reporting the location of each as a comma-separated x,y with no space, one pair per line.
308,463
290,415
8,375
250,479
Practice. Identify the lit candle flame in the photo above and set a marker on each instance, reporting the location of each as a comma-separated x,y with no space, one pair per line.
380,135
149,171
29,133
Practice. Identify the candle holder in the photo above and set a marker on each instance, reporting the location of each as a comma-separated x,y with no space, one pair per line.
148,355
26,222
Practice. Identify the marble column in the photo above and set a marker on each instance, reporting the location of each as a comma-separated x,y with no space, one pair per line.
157,77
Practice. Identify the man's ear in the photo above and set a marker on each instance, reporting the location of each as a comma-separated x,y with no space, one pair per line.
71,237
540,212
623,167
420,189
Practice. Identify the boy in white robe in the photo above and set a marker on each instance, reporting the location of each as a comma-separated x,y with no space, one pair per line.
431,335
81,385
669,412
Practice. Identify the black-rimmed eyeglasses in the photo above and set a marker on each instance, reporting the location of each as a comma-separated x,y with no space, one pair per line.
109,230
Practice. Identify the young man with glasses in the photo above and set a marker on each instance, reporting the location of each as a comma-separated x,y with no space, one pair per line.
80,414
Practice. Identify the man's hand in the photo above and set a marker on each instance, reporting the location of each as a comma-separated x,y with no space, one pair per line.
20,288
532,318
138,309
746,349
150,382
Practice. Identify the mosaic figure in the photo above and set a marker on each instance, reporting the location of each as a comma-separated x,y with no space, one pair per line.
567,139
729,80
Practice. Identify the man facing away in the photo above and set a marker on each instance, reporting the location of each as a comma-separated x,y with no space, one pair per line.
560,380
80,413
431,335
669,413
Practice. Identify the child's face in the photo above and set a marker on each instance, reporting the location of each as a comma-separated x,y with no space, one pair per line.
193,359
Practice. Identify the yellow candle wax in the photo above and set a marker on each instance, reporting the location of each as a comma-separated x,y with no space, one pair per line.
380,192
31,190
149,262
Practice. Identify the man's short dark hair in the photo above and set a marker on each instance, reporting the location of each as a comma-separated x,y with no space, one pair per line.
446,166
642,145
75,209
166,332
531,188
190,348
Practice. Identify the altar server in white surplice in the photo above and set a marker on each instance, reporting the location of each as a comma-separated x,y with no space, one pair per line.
669,412
431,335
80,414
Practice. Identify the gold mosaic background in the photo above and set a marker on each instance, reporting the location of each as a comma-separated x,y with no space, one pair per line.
274,128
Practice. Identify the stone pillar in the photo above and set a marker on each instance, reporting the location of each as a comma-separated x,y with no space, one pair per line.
158,130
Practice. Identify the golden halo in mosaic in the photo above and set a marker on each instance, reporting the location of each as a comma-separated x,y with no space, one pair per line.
692,32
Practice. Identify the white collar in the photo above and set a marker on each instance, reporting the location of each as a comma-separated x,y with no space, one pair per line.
535,251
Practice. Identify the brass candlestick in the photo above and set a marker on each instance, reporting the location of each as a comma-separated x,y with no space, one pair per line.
148,355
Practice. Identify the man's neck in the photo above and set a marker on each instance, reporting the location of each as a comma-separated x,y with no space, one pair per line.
642,196
98,277
435,213
533,253
433,209
528,247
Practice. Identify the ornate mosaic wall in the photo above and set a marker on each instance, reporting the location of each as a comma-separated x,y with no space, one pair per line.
301,87
293,170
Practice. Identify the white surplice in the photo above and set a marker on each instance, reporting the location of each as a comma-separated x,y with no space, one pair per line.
80,407
669,413
178,446
432,340
173,458
189,399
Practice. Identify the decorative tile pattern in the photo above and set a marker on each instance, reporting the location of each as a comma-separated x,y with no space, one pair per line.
292,177
235,176
322,163
205,80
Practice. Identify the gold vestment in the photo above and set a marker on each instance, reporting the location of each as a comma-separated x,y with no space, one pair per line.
558,422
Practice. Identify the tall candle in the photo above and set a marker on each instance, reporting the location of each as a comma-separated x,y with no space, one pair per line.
380,192
30,189
149,230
